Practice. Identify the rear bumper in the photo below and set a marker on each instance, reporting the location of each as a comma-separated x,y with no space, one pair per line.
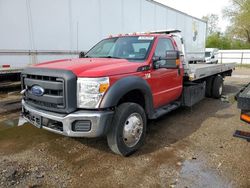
100,121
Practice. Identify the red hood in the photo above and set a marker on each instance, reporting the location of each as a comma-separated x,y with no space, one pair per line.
93,67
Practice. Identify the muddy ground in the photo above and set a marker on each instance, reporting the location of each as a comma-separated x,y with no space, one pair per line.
190,147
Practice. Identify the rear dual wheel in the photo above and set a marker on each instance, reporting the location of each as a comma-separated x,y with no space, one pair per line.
217,87
214,86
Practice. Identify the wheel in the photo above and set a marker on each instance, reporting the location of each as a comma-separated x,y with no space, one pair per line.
209,84
128,129
217,87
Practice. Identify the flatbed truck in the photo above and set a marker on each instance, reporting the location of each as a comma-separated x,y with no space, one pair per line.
114,88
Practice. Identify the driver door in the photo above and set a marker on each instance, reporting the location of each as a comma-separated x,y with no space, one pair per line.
166,83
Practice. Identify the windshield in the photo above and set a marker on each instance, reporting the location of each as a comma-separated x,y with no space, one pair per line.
131,48
207,54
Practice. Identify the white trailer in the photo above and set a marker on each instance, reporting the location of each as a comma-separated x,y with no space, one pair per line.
33,31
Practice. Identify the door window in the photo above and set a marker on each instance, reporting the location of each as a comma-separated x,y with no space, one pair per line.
162,47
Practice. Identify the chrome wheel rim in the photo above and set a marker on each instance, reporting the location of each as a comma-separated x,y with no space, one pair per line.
220,90
132,130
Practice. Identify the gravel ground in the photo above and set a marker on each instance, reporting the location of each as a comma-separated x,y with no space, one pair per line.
190,147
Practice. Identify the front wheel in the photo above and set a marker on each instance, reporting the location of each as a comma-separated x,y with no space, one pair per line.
128,129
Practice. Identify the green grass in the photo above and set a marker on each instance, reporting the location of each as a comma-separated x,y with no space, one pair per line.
243,66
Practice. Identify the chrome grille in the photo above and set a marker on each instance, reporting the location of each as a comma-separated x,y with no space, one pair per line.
53,96
59,89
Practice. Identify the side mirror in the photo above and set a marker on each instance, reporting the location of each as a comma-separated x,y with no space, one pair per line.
82,54
212,57
170,61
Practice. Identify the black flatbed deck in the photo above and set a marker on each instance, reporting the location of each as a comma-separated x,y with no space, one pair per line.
243,98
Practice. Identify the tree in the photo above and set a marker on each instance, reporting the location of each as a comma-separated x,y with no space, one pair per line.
212,23
213,41
239,16
217,40
225,42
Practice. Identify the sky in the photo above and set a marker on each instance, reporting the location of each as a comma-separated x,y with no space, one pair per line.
199,8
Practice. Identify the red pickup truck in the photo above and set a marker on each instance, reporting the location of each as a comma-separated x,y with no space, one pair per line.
115,87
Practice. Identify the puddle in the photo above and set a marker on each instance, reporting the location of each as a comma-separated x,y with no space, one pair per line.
195,174
15,138
9,123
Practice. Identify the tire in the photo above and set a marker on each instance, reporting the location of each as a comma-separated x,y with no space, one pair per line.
120,140
217,87
209,84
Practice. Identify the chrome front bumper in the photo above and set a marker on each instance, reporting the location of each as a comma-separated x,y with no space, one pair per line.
100,121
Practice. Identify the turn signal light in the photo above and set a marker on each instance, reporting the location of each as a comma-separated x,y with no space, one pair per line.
178,62
103,87
245,118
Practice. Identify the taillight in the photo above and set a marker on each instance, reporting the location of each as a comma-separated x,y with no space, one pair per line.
245,117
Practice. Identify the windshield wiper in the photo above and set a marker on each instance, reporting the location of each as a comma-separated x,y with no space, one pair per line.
103,57
109,57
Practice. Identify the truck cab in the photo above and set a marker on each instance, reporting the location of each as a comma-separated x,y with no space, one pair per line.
114,88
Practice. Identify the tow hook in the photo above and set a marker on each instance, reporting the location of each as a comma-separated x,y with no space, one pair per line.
23,91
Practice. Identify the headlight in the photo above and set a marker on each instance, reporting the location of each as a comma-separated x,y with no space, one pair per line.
90,91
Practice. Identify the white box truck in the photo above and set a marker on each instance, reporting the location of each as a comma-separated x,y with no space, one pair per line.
41,30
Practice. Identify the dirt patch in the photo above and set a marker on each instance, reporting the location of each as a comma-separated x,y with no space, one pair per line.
33,169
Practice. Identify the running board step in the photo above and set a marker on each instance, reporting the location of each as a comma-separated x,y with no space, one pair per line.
242,134
166,109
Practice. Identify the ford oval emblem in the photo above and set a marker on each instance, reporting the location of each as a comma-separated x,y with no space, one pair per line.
37,90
